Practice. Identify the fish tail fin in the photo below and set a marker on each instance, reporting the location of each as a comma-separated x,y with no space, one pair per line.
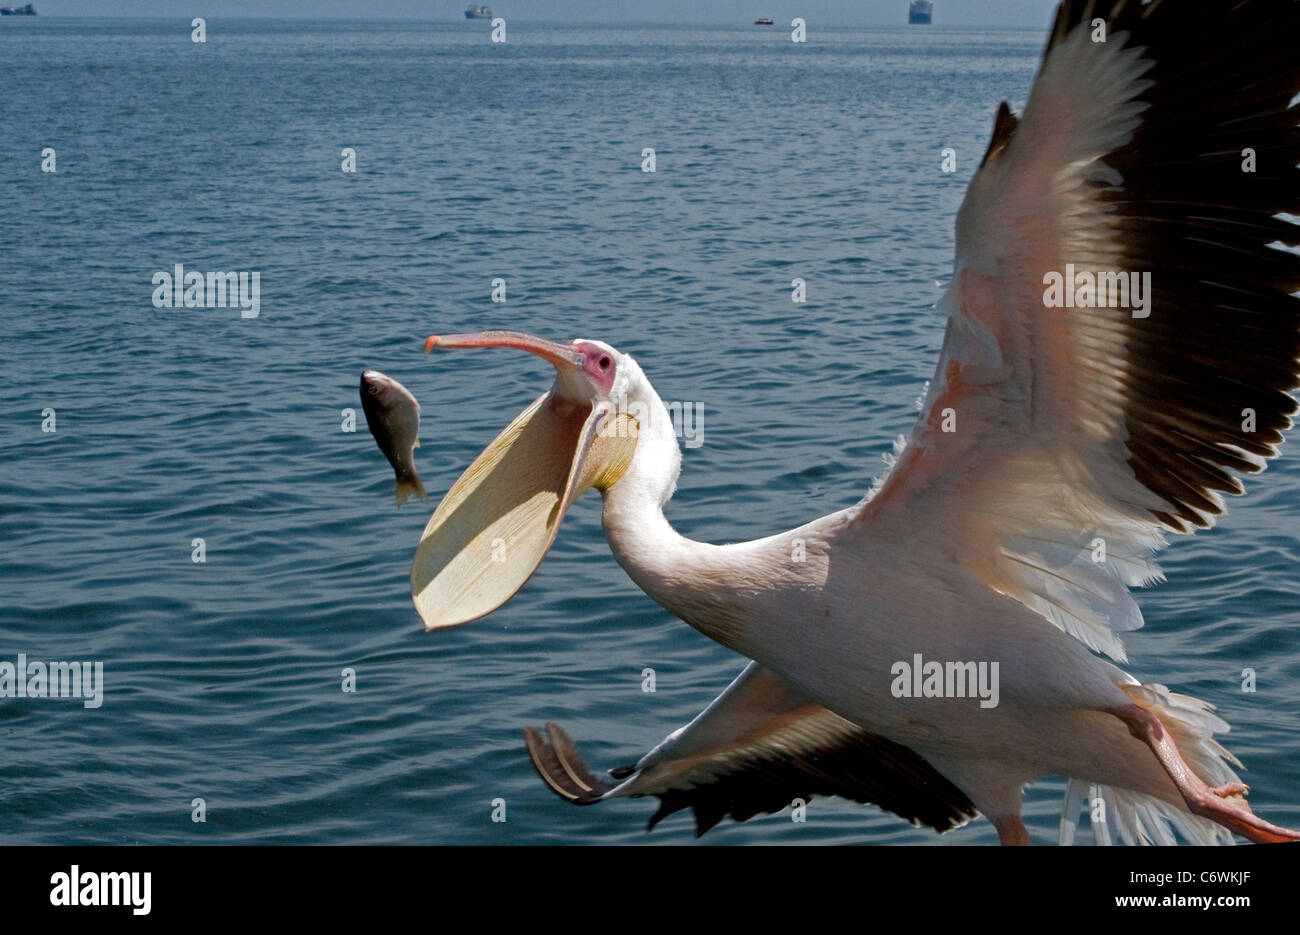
408,485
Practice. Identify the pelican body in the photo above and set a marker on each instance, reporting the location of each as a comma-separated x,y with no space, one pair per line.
1045,429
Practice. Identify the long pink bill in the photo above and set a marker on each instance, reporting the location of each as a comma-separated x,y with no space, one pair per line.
556,354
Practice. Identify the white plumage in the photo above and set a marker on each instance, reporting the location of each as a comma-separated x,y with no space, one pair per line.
1055,449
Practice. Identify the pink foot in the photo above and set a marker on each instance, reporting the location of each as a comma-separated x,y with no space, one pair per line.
1229,789
1225,805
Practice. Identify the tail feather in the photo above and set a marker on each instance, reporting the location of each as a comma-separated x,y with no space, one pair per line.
1074,797
1141,818
1146,819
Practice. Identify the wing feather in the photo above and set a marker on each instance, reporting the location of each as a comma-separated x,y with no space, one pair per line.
755,749
1058,445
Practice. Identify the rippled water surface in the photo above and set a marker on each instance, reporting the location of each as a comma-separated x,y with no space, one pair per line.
475,161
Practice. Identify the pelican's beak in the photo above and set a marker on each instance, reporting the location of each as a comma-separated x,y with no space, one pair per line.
497,522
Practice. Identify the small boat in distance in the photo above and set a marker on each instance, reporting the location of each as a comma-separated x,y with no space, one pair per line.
28,10
920,12
477,12
765,21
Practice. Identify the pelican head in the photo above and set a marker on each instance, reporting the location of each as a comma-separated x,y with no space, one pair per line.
497,522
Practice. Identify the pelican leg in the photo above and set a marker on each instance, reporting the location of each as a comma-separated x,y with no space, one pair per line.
1226,804
1011,831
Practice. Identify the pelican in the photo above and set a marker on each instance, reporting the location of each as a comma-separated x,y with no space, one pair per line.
1065,433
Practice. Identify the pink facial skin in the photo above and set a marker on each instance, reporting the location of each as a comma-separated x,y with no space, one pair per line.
597,363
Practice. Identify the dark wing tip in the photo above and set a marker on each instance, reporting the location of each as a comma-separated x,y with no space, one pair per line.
1224,336
557,761
864,768
1004,127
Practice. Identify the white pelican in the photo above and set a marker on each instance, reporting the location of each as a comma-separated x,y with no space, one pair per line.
1158,139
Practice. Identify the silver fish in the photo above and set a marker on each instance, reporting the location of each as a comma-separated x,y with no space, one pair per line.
394,419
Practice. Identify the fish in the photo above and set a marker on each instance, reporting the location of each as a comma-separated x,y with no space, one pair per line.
394,419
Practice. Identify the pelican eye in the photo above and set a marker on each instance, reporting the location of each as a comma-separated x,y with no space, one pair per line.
604,363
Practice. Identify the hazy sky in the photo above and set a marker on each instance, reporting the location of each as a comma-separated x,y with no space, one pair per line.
1032,14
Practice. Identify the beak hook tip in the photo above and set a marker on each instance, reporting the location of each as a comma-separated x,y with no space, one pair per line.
431,343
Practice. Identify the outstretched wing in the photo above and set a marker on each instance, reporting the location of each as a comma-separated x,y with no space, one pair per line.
755,749
1158,146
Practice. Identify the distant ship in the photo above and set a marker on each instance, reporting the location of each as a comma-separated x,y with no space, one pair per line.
920,12
478,12
28,10
765,21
